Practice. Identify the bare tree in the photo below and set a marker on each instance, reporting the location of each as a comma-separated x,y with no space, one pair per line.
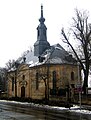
81,31
10,64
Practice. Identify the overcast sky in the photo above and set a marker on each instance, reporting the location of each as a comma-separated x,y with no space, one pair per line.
19,20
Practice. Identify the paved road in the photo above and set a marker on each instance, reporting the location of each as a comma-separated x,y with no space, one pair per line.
21,112
9,112
10,115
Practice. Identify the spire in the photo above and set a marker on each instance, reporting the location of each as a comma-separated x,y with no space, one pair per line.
41,44
42,19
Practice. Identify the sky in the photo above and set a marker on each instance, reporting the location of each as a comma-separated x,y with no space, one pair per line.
19,20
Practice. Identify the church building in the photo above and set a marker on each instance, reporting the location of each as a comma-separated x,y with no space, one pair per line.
47,72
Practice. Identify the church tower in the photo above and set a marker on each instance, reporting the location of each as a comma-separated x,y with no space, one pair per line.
41,44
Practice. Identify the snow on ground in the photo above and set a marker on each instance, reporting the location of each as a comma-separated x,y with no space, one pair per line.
75,108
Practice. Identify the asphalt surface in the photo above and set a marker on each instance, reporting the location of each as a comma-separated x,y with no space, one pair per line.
15,111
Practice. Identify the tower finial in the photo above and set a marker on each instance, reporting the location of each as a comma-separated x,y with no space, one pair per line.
42,19
41,10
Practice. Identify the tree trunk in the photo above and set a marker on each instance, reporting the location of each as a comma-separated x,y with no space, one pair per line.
85,85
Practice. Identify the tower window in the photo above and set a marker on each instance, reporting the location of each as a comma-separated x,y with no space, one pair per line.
72,75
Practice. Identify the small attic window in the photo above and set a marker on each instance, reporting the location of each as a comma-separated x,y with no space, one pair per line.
24,59
68,57
41,59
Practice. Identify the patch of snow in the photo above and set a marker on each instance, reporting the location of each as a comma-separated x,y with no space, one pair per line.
58,48
81,111
89,81
12,69
30,62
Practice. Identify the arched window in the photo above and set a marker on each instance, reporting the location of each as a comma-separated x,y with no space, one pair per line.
54,79
37,84
72,75
12,83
